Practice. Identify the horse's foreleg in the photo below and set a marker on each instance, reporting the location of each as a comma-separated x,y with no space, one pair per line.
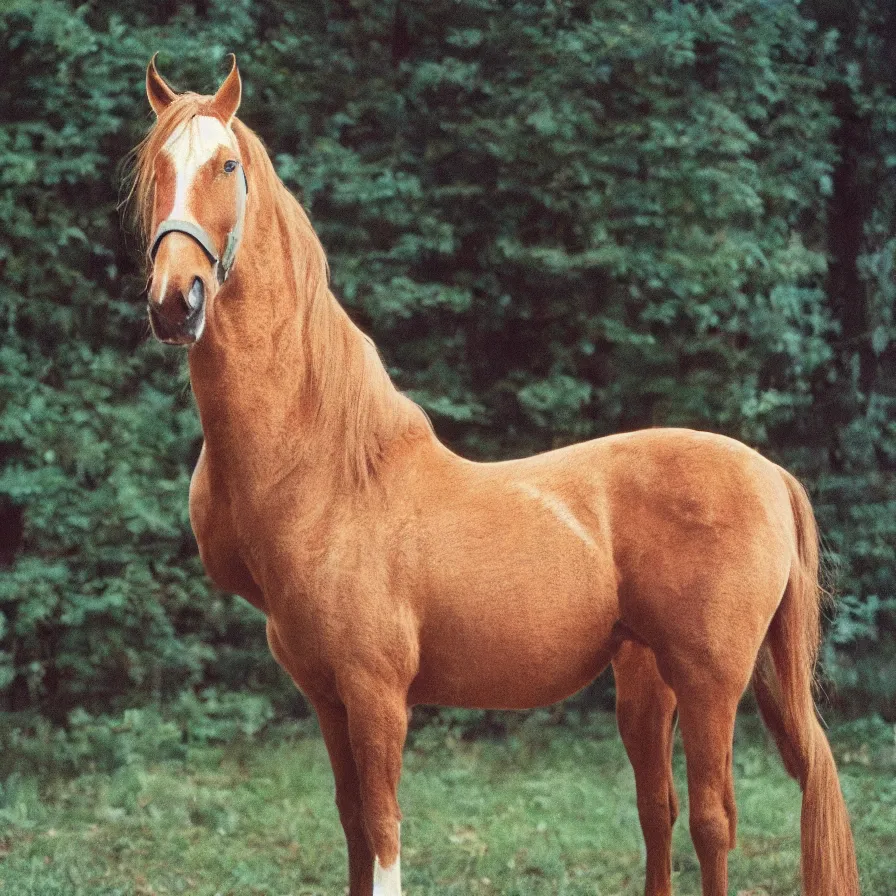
645,713
377,723
334,727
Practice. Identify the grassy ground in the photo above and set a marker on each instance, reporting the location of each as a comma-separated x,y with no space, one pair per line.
543,811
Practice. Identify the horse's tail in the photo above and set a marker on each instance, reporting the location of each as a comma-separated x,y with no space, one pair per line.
783,684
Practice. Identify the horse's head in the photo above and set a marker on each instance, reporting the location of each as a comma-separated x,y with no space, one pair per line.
198,209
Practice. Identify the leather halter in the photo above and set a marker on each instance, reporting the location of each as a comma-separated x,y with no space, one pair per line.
224,262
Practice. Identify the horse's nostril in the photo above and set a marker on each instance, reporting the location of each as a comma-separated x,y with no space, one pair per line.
195,298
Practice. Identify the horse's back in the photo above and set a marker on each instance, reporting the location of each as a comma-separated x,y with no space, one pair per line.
675,481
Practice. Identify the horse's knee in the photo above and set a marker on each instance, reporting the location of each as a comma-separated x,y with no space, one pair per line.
383,834
711,834
375,819
381,819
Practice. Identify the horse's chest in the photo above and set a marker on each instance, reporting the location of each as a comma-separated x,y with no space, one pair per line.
221,547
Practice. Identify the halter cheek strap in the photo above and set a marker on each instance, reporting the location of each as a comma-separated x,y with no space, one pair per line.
224,263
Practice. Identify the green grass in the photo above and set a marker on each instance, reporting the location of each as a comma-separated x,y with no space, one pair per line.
542,811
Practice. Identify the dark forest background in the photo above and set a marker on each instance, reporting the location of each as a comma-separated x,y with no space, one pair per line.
558,220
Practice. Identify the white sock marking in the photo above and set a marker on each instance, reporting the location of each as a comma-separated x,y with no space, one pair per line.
387,881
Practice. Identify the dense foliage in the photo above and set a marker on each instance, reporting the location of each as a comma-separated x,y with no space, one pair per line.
557,220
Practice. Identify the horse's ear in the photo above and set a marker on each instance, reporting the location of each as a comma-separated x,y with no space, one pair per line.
159,93
227,99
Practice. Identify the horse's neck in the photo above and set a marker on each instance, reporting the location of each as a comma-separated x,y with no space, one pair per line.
246,389
266,412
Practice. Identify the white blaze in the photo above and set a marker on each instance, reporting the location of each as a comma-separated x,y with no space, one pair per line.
189,147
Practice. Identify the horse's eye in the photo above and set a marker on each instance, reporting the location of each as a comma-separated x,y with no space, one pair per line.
230,166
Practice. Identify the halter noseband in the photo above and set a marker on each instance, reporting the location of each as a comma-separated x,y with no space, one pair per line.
223,264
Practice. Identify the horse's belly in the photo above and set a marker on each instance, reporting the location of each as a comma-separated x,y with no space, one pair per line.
513,654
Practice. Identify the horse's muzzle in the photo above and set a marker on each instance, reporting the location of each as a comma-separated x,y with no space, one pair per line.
180,319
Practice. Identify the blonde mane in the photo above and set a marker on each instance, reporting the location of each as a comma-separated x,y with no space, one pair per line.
351,399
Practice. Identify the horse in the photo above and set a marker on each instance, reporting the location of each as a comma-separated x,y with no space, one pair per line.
393,572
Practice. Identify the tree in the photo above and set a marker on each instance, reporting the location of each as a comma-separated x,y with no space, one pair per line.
556,220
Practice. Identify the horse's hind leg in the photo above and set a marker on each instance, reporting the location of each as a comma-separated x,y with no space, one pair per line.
645,713
706,718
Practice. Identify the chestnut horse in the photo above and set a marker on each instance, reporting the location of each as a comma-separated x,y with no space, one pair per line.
393,572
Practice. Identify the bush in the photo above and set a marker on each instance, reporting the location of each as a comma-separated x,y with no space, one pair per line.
557,221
